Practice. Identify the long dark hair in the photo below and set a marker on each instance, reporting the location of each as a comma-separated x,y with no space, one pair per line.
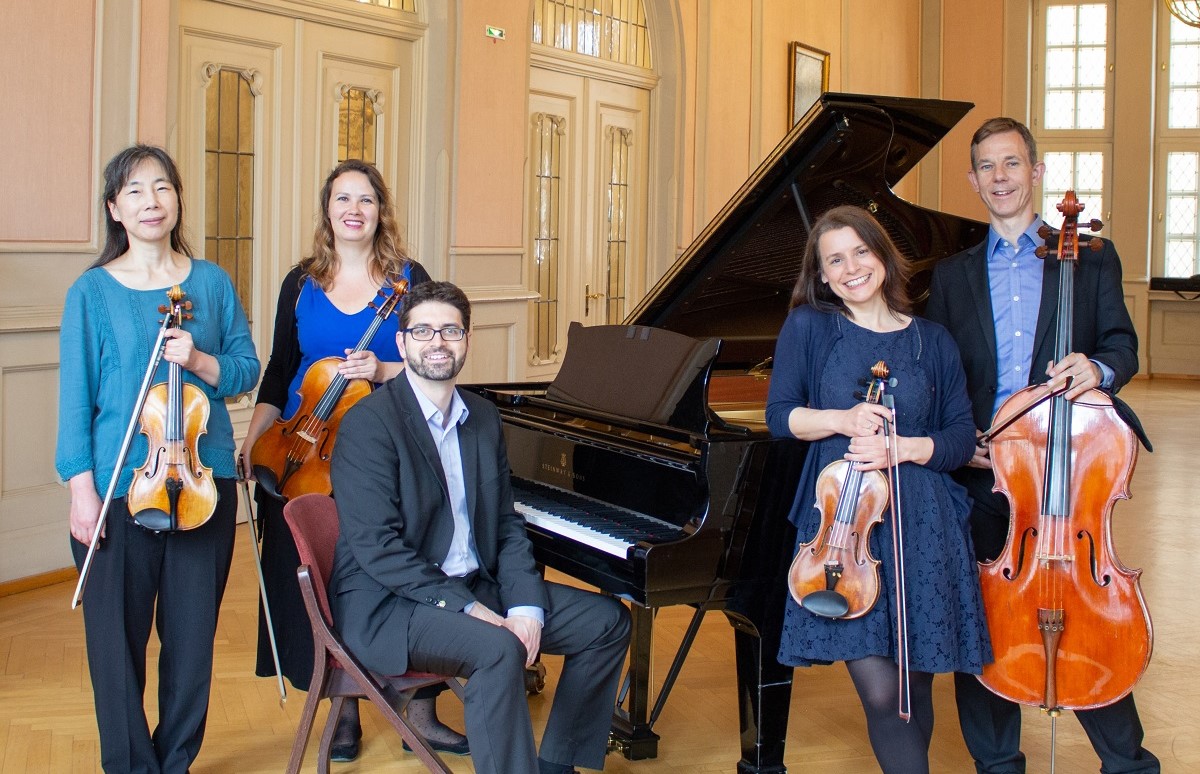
810,289
388,258
116,175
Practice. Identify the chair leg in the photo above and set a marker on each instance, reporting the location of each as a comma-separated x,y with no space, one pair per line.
335,712
307,717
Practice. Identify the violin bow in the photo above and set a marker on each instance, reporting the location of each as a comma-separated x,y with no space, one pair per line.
891,445
262,583
151,367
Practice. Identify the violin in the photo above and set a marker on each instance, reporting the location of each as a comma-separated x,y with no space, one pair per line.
292,456
1069,625
834,574
173,490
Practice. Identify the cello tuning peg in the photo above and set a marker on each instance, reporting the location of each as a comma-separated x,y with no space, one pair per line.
891,382
1096,244
1041,251
1095,224
188,316
859,395
1045,231
187,305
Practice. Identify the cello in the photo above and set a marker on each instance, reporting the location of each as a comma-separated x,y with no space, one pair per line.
173,490
1069,626
292,456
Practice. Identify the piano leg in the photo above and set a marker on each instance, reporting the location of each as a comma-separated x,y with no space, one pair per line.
631,728
764,699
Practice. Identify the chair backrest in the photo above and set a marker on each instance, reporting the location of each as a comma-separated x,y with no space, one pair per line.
314,523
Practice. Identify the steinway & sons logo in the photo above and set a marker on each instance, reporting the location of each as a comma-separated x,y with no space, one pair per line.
561,469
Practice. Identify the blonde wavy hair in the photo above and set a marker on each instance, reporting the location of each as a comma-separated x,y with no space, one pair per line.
388,256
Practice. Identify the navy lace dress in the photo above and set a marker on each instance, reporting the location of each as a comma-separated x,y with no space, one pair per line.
946,626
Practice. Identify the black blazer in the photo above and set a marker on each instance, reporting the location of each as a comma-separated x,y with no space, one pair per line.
960,299
396,523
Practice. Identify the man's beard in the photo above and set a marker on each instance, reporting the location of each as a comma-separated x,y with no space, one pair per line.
442,371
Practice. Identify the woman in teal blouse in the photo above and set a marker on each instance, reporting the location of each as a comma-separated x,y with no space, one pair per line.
138,577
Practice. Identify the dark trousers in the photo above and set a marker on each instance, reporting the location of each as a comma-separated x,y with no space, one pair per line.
991,725
590,630
991,728
175,581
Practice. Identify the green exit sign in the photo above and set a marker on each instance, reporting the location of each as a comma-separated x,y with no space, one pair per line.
494,32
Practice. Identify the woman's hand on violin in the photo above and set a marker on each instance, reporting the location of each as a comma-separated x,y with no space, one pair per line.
864,419
1083,374
361,365
85,508
181,350
870,452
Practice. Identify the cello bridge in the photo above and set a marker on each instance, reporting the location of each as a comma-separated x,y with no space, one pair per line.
306,436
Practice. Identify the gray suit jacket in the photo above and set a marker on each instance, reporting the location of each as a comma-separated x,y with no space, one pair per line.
396,523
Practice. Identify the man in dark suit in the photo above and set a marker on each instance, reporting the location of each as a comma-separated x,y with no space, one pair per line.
998,300
433,570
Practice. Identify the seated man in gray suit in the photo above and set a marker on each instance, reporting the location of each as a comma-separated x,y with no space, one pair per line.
433,570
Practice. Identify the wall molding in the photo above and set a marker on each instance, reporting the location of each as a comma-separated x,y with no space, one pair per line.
26,319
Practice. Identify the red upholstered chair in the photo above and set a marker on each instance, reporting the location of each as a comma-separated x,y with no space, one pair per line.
337,674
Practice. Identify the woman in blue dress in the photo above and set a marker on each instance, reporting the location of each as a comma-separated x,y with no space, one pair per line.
323,312
849,311
172,580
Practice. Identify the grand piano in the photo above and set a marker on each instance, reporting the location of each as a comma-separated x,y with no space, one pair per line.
687,504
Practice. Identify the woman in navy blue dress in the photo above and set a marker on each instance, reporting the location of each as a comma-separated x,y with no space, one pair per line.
323,312
850,310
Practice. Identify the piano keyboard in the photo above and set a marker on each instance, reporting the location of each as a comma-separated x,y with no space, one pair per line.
591,522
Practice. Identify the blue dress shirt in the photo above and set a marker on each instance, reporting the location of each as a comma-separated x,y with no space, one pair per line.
1015,282
462,559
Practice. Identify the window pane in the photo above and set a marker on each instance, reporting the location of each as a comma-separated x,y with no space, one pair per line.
1093,24
1090,113
1082,173
1183,101
1183,203
1076,66
229,178
1060,25
356,125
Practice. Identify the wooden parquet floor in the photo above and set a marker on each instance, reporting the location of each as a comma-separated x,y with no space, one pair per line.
47,722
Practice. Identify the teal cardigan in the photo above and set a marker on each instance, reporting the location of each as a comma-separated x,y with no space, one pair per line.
108,331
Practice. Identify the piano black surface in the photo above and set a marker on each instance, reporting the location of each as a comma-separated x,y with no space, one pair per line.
711,475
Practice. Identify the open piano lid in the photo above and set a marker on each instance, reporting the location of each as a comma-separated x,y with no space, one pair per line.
735,280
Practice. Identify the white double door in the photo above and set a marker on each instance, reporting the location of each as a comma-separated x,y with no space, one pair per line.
601,227
299,69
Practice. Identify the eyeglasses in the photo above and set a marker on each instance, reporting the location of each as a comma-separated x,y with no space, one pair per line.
425,333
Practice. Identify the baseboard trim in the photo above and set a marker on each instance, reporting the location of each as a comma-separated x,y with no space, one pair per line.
38,581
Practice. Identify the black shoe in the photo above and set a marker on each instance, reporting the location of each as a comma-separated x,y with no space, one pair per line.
346,736
450,748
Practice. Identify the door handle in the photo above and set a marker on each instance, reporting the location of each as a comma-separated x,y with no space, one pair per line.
587,299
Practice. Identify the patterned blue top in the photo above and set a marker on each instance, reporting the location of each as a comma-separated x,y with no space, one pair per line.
946,624
108,331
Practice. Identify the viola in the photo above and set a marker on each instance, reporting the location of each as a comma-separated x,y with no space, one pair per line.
173,490
1069,625
834,574
292,457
